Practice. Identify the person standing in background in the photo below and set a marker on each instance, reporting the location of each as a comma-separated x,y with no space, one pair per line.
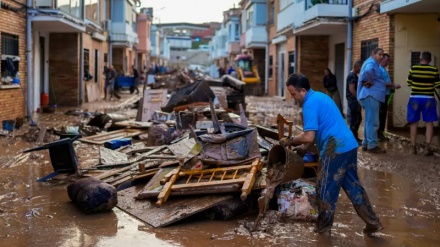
384,106
423,79
331,87
353,103
136,80
371,93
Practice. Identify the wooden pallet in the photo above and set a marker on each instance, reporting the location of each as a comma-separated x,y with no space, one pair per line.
210,180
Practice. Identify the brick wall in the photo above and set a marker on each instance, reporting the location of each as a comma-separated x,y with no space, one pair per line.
272,84
313,59
12,101
374,26
64,68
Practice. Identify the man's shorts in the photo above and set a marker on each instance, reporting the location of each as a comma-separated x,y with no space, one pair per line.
426,106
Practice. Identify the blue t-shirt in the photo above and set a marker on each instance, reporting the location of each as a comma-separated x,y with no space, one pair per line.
320,114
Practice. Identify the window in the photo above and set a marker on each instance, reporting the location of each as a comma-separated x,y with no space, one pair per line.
249,20
237,31
128,12
86,64
96,65
285,3
92,10
367,47
105,59
9,44
71,7
291,62
270,72
9,49
271,13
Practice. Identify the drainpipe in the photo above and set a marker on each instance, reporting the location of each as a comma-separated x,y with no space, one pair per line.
295,55
266,74
81,67
29,58
110,46
349,39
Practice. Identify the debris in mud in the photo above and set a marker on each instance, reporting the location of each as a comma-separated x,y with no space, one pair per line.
93,195
33,213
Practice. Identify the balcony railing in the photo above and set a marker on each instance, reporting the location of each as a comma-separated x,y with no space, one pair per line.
311,3
71,7
256,36
124,38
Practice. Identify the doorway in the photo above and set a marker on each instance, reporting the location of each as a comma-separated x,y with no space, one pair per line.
281,72
42,64
96,65
339,67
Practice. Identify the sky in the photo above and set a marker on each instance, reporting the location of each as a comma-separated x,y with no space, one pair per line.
193,11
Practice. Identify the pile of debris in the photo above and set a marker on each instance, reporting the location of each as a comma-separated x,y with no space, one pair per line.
180,156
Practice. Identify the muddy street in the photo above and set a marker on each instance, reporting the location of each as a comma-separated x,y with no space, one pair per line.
402,188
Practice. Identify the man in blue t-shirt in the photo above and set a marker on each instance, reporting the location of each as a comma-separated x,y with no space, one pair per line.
324,125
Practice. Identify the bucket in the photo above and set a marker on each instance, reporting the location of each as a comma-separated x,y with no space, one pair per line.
44,99
286,160
8,125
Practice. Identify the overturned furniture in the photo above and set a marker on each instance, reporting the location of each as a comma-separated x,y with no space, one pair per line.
62,156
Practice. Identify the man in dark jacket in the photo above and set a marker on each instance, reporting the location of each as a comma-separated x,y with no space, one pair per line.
136,80
353,103
110,77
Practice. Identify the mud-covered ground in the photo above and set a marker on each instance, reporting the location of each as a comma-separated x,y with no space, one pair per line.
423,172
403,189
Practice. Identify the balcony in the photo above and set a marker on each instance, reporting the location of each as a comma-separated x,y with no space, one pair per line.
256,37
58,16
321,18
409,6
123,40
154,51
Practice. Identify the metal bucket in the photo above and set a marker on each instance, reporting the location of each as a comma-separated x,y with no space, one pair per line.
281,158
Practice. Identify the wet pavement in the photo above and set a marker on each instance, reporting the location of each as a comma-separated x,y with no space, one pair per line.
403,189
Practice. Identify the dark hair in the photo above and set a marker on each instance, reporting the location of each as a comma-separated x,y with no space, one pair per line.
329,71
376,50
386,55
298,81
358,63
426,55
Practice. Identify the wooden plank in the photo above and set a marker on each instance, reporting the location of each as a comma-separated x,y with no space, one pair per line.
134,124
113,172
166,190
92,92
154,186
250,179
112,135
173,211
120,181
